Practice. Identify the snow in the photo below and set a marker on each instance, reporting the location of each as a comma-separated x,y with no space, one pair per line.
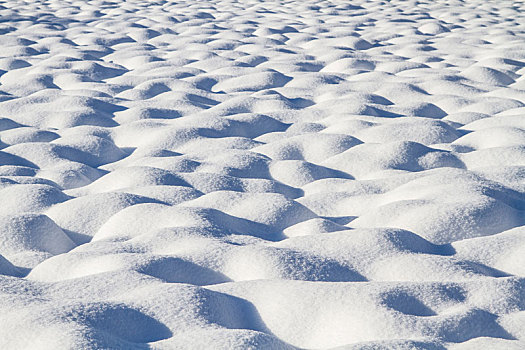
275,174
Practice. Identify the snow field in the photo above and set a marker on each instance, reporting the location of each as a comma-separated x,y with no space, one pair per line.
262,175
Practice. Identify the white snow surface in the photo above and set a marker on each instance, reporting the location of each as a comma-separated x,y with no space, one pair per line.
262,174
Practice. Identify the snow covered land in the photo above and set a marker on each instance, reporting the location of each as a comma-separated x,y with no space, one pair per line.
248,174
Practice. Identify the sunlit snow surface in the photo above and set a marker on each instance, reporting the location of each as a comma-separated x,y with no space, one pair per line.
262,174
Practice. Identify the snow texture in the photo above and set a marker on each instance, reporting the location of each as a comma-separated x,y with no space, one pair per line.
281,174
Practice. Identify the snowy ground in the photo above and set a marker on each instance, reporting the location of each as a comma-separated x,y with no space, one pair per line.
247,174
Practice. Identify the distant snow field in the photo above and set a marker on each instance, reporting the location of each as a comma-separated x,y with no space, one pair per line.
262,174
